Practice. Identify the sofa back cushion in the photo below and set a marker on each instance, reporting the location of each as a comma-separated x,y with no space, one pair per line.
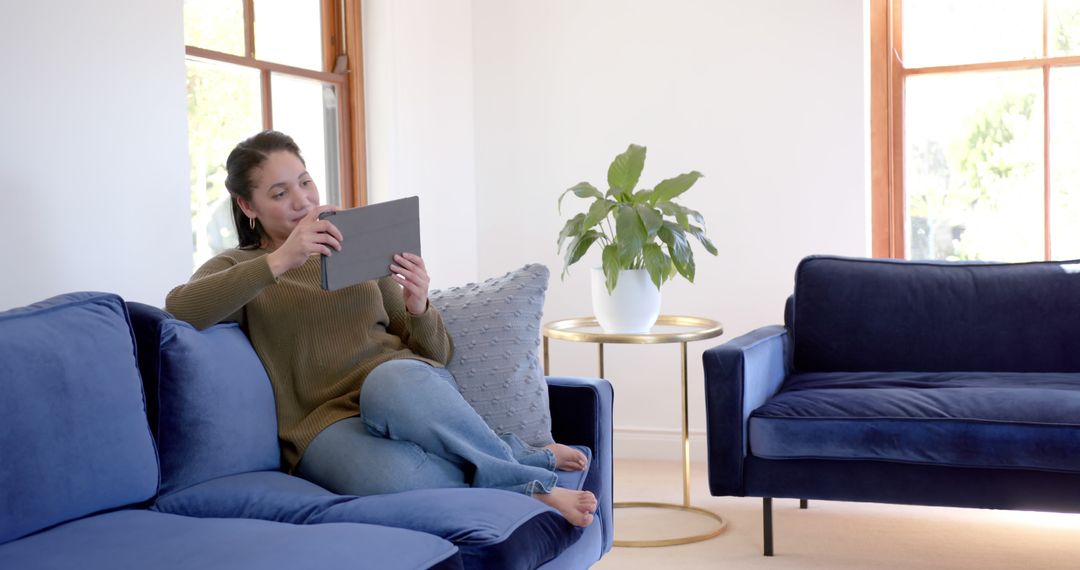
75,438
888,315
215,411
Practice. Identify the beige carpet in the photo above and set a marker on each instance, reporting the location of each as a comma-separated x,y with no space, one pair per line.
831,534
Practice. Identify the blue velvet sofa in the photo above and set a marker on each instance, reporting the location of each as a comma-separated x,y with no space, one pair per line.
924,383
131,440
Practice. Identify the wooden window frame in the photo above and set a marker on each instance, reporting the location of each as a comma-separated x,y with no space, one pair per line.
887,78
342,49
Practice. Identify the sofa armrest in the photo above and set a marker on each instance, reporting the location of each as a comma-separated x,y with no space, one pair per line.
740,375
581,415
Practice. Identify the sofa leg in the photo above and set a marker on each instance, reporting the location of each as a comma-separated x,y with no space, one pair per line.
803,503
766,518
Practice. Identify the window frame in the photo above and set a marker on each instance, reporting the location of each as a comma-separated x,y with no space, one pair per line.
887,79
342,48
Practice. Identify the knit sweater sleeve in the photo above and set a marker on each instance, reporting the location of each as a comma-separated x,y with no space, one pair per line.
218,291
424,334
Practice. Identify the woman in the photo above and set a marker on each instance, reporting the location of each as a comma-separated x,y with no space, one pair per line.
364,402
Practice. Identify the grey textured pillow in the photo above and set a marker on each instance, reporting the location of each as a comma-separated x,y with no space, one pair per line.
495,326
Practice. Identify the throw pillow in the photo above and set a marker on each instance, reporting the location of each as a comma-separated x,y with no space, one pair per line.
495,326
216,414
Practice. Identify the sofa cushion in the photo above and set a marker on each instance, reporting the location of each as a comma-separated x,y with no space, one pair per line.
75,438
1005,420
890,315
215,405
145,539
493,528
495,326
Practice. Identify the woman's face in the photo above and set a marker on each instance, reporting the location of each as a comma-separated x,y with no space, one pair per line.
282,194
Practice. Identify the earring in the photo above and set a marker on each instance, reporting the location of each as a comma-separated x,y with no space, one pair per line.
251,222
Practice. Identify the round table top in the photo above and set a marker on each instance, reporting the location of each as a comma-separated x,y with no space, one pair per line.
668,328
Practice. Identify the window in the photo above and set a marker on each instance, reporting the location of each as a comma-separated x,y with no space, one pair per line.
289,65
975,129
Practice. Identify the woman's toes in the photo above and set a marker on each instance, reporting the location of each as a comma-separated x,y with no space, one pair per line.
567,502
579,459
568,458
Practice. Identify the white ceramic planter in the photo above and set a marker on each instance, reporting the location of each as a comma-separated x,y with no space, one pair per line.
632,307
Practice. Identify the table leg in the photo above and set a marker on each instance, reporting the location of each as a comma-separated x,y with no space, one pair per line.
600,355
685,433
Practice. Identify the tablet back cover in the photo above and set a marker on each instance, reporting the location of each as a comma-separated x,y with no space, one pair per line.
373,235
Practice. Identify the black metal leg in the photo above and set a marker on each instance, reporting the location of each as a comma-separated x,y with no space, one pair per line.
803,503
766,517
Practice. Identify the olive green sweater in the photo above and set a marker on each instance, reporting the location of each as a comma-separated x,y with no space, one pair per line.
317,346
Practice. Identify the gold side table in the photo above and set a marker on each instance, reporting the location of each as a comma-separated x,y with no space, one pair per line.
668,329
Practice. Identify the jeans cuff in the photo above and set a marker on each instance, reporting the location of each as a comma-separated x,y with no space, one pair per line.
551,458
533,487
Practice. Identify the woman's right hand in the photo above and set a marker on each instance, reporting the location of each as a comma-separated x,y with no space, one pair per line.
311,236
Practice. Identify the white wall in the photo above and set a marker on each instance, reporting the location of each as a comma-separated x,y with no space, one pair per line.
765,98
93,150
419,107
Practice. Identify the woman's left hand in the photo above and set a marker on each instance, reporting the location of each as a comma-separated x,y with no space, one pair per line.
409,272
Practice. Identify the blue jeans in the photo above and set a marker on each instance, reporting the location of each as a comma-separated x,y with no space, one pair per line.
415,431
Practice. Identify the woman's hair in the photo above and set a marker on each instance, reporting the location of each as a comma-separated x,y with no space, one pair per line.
245,158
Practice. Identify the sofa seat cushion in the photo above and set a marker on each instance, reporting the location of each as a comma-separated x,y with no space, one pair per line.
146,539
492,528
963,419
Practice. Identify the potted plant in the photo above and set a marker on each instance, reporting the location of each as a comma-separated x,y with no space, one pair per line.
644,239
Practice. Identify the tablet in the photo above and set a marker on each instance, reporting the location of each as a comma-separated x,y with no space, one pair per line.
373,235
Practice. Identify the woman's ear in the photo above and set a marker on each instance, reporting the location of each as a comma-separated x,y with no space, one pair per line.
245,207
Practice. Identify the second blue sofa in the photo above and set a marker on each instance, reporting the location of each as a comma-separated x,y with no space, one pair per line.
925,383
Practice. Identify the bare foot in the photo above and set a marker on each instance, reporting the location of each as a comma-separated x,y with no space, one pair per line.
568,458
576,506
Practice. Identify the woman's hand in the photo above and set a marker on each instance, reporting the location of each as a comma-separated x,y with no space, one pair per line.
311,236
409,272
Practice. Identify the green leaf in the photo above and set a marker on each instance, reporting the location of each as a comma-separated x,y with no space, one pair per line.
672,187
665,233
668,208
681,214
610,259
699,233
597,212
651,219
695,215
630,234
578,247
687,267
572,228
679,249
656,263
642,197
625,170
581,190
